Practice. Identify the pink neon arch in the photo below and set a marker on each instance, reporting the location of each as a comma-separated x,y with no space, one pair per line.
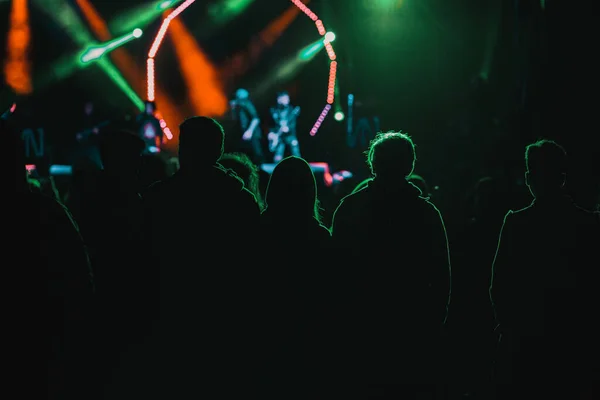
332,64
150,62
150,72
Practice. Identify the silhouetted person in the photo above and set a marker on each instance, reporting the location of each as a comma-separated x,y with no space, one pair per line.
115,201
296,245
242,165
48,269
395,269
248,125
202,224
282,136
87,136
149,128
544,285
110,218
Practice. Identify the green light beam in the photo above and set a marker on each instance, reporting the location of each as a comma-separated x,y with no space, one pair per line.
67,18
227,10
118,79
307,53
94,52
140,16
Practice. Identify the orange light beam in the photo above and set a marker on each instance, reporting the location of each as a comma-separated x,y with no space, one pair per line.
205,90
127,65
17,68
276,28
241,62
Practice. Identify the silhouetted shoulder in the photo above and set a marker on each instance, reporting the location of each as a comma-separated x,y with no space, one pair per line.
226,179
559,218
520,212
237,183
156,188
429,205
586,213
519,215
514,218
61,245
344,212
324,232
51,210
354,198
587,218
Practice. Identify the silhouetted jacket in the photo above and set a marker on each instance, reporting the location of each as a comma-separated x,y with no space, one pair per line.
544,291
391,227
47,248
546,260
297,276
202,226
213,195
202,214
393,280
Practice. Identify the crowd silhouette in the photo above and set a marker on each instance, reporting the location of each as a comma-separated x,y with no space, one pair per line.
216,281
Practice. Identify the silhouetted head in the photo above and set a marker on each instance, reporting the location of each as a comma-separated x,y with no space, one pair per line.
391,156
201,142
242,94
121,151
283,98
243,166
293,189
546,163
419,182
149,107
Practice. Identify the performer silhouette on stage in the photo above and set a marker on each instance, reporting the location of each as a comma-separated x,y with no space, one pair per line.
282,136
149,128
246,116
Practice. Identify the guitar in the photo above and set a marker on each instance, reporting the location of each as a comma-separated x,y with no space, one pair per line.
86,133
274,137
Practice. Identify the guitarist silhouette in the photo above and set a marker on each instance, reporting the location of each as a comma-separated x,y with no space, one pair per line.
283,135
